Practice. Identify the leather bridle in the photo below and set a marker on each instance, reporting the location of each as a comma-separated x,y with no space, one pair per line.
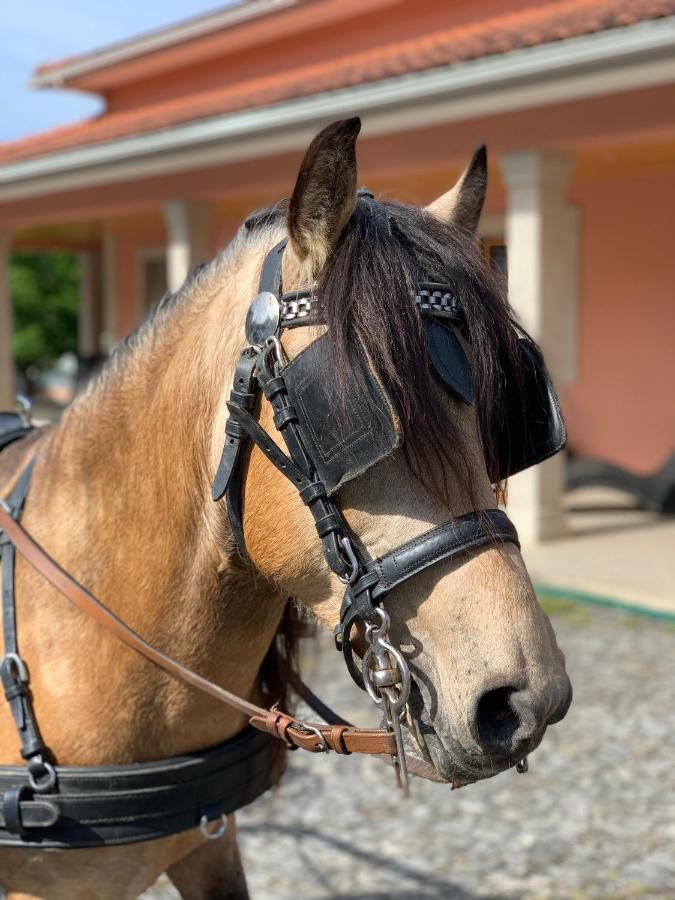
34,801
262,367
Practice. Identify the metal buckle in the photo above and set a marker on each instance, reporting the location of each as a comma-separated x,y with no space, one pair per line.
25,410
15,667
272,347
206,828
312,729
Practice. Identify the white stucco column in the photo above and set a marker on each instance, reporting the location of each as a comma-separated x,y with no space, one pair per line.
187,238
89,324
7,390
541,237
109,335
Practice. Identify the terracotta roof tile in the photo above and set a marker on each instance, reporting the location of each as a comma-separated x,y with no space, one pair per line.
510,31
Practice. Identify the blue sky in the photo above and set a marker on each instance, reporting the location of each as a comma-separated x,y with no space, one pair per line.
37,31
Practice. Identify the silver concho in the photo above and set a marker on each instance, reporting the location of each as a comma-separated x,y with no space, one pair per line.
262,319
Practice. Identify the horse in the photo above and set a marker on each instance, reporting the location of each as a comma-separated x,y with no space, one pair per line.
121,496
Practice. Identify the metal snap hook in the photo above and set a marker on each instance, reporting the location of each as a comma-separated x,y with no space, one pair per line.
207,829
346,546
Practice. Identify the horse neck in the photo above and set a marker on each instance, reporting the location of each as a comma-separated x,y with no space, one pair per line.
122,490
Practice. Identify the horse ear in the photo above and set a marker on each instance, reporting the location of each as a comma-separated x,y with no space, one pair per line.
325,193
463,204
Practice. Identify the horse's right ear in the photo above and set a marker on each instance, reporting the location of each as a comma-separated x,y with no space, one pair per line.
324,195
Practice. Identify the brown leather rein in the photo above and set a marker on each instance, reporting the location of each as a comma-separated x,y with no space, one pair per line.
314,737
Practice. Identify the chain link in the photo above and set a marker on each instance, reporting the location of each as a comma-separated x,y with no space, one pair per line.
387,679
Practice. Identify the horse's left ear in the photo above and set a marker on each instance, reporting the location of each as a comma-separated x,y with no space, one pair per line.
463,204
324,195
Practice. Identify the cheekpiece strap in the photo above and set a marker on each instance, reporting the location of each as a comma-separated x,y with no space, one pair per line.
270,277
243,395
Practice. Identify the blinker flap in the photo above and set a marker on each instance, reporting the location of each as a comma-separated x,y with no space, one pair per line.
528,426
343,440
448,358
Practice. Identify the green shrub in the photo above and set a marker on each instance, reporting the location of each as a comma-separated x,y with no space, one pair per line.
45,297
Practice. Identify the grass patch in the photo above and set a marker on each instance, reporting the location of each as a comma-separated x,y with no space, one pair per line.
578,606
563,608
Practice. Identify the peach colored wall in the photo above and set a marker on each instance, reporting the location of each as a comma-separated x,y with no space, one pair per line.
130,238
623,406
134,236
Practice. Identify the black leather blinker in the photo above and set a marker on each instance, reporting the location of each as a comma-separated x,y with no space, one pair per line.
448,358
343,440
529,426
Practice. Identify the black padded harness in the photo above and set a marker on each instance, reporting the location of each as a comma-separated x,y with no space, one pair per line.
47,806
13,427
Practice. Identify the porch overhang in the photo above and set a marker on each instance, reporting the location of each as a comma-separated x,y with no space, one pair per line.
639,56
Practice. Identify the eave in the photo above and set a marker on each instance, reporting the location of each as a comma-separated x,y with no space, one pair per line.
608,62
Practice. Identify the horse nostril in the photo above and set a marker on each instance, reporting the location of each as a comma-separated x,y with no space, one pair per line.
496,721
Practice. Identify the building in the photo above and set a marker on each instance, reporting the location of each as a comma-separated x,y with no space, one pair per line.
206,120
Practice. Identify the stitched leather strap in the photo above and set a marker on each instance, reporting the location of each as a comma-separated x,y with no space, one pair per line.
327,516
450,540
447,541
281,725
112,805
243,396
13,671
270,276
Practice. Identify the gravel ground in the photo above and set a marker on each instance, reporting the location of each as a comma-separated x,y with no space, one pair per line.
595,816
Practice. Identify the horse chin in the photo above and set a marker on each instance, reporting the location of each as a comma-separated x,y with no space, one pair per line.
451,763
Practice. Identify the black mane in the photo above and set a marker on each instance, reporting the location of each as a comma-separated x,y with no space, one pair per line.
366,287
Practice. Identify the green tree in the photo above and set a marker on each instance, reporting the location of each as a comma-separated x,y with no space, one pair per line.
45,296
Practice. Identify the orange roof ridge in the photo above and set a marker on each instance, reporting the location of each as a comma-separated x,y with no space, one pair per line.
178,28
521,29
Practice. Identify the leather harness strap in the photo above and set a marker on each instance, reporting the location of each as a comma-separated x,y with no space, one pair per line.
13,671
93,806
316,738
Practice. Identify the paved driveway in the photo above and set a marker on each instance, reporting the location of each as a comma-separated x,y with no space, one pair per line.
595,816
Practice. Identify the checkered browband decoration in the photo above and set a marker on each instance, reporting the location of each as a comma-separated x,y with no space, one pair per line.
304,308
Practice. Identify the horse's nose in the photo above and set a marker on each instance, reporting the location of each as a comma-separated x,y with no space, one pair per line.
507,721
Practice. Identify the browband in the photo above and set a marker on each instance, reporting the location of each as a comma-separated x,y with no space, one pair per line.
304,307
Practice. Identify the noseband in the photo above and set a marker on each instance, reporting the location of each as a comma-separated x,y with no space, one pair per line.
294,390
